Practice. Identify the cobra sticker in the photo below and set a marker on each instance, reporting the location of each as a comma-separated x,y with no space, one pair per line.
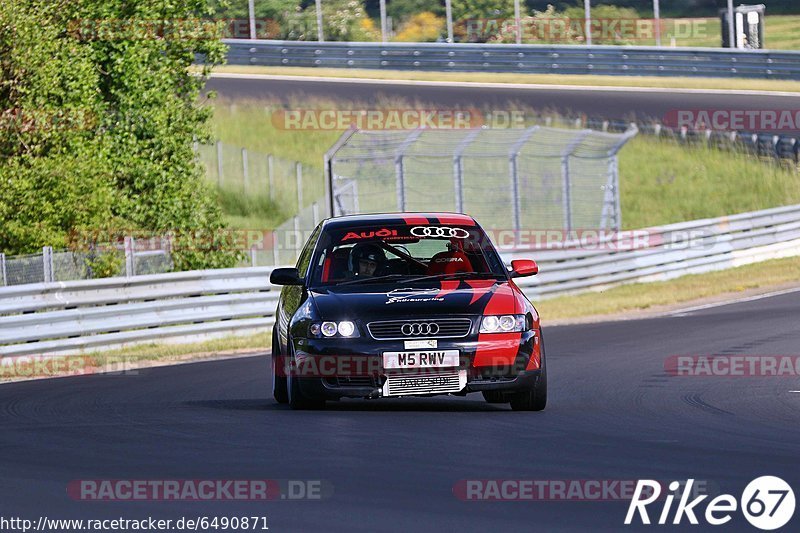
413,295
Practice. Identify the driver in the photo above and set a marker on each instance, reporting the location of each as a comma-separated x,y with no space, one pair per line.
366,260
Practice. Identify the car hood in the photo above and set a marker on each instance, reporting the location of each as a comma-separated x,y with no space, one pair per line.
376,302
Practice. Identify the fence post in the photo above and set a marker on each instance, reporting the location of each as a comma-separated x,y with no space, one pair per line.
399,169
3,269
513,155
458,169
315,213
219,163
299,174
275,252
253,255
47,261
271,177
130,258
298,241
244,169
566,193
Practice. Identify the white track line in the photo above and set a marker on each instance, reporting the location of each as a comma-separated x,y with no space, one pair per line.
487,85
682,312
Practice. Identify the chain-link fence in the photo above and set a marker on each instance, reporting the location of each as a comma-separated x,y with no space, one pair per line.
256,177
128,259
535,178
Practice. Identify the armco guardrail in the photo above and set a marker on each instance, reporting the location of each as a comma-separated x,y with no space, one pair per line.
73,316
68,317
665,252
529,58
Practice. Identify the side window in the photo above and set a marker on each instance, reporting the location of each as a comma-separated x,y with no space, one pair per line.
308,251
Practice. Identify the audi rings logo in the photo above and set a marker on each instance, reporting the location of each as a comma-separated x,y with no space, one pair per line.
419,328
439,231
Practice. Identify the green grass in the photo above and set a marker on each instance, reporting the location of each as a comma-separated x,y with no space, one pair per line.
661,181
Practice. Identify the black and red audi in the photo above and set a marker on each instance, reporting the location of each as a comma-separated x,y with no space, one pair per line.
407,304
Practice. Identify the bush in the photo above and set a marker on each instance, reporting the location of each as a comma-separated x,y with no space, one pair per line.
421,28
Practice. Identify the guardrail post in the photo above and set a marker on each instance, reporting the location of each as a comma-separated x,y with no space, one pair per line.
298,168
3,269
130,258
47,261
253,255
275,252
245,173
271,177
219,163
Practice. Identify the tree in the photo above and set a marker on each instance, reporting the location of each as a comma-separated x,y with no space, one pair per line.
100,113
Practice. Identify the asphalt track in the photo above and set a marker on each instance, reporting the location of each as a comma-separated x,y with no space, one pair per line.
598,103
614,414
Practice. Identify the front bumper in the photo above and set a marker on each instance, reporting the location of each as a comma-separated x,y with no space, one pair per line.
354,367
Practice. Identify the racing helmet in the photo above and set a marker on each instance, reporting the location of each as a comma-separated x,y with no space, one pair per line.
365,251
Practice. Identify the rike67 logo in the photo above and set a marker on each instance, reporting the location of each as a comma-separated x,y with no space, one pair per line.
767,503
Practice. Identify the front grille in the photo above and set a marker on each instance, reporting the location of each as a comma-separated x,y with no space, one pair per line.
434,328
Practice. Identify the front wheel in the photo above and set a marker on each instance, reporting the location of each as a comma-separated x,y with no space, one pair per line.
298,400
279,385
535,398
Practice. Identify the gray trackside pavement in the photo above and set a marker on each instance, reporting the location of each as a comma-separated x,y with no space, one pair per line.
614,414
601,104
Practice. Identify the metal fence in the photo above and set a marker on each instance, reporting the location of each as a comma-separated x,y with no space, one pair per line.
529,58
76,316
129,259
538,177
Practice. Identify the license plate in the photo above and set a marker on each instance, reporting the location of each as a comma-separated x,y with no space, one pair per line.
420,359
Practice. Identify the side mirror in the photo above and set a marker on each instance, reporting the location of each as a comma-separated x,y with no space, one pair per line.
285,276
524,267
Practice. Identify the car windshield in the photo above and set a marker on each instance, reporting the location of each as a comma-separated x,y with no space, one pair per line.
403,252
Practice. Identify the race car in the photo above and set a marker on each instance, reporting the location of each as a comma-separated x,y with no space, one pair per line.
405,304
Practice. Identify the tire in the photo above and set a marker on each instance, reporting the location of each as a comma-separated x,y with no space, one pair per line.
279,385
535,398
296,398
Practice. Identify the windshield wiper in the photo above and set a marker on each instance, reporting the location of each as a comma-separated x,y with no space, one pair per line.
375,278
456,275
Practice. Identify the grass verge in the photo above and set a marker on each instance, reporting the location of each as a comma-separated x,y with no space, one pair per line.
738,84
643,296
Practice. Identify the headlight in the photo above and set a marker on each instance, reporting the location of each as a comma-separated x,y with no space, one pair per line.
345,328
503,323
